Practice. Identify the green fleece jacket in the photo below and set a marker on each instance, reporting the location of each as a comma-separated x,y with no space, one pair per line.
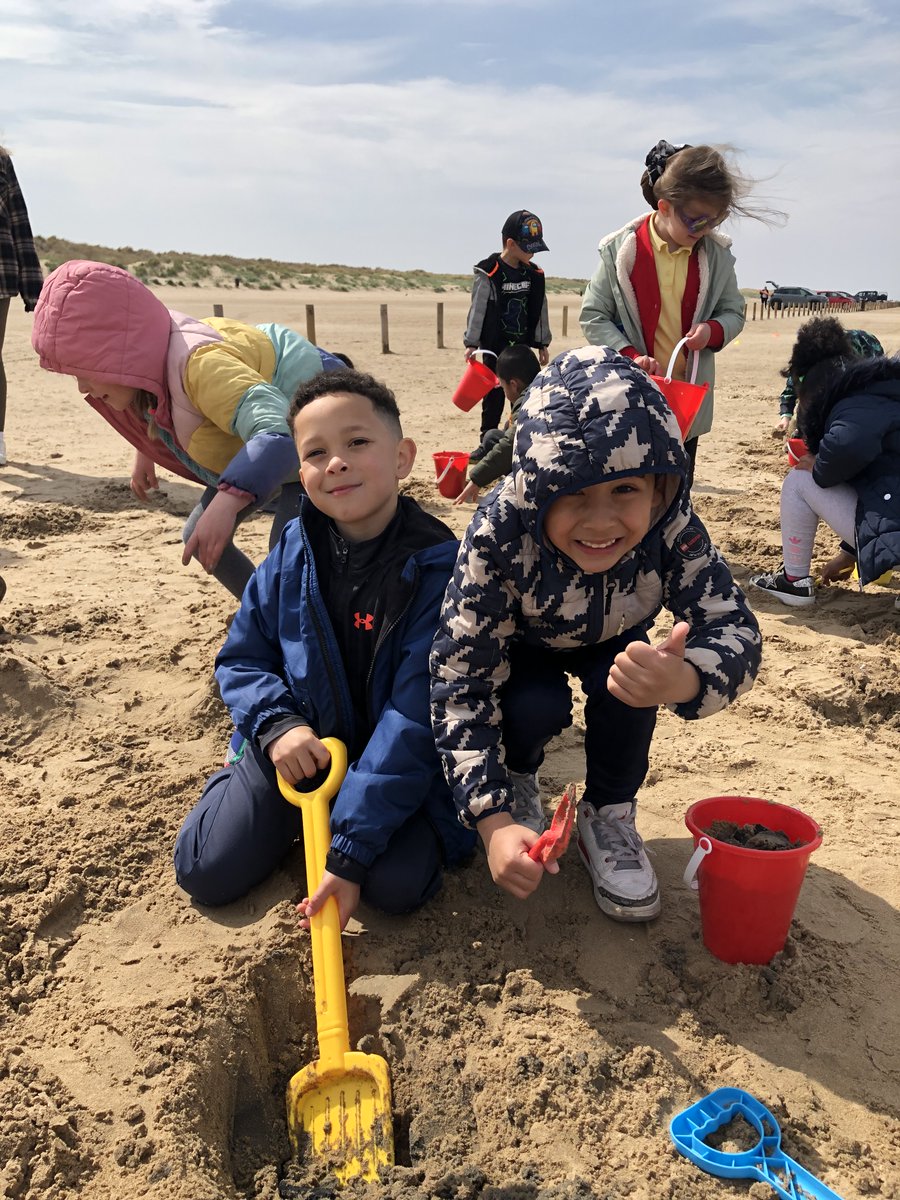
610,313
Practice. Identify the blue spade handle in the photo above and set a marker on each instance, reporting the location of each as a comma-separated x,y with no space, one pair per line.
765,1161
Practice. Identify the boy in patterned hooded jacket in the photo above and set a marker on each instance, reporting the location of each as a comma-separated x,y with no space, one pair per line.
562,572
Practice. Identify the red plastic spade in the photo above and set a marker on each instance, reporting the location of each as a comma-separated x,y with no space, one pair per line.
553,842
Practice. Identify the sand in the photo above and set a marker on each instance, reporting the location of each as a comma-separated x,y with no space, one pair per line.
536,1049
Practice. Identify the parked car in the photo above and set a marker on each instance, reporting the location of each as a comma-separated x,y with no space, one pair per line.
784,297
861,296
839,299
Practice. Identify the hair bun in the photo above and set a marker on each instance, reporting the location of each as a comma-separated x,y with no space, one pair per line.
659,156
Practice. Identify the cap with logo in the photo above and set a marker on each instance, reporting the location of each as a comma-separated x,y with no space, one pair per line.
525,230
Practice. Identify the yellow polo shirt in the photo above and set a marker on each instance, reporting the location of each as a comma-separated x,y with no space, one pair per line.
671,271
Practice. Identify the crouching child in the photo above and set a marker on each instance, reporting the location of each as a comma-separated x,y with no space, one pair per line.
562,572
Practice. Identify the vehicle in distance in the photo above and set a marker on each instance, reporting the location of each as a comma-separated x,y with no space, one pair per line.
798,297
839,299
871,296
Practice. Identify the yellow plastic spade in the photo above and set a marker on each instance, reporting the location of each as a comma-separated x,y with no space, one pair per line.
338,1107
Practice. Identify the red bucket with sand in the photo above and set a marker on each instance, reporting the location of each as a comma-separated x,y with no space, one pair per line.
683,397
477,380
747,897
450,468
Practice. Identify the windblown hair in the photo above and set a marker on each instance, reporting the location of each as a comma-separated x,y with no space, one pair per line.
705,172
329,382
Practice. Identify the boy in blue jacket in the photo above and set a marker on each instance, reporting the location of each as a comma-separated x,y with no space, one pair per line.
561,572
332,639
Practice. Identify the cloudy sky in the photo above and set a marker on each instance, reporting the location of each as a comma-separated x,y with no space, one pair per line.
401,133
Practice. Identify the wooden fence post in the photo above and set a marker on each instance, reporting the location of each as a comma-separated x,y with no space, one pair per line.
753,315
385,345
311,324
565,331
440,325
218,310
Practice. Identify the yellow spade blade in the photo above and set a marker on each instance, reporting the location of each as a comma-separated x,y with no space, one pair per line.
343,1116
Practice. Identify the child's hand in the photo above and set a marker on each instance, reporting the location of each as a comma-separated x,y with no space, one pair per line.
143,476
468,495
298,754
805,463
698,336
839,567
647,363
543,356
213,531
507,845
346,893
644,676
782,427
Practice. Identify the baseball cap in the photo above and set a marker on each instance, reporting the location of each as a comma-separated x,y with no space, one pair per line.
526,231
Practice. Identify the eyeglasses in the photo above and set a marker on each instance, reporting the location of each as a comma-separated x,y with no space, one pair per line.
699,224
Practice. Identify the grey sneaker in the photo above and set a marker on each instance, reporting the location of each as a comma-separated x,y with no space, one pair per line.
526,808
798,593
611,848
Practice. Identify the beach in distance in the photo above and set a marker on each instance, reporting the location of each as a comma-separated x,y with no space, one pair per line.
537,1050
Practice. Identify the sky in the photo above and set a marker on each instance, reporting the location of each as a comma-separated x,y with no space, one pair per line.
402,133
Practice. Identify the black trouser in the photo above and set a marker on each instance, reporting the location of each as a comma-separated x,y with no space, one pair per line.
492,410
537,705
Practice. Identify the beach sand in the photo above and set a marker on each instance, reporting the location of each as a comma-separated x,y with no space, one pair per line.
537,1050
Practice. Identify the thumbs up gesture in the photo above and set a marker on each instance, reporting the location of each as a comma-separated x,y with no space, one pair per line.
644,676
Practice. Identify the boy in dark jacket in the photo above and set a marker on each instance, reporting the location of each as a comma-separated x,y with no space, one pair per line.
516,368
332,639
509,305
562,572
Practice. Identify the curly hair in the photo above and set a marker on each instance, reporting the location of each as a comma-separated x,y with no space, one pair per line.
329,382
817,340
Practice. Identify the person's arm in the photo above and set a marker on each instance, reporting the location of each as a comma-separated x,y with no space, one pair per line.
542,334
729,313
600,315
723,644
482,291
852,441
787,401
497,462
31,277
250,666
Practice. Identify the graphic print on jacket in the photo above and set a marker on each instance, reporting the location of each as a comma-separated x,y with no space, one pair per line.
591,416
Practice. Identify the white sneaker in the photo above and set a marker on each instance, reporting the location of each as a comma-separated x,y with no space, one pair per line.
526,808
611,848
2,449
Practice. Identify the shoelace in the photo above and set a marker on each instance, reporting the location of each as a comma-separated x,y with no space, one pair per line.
526,799
619,839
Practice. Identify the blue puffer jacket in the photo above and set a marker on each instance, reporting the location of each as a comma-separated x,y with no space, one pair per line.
281,659
854,431
590,416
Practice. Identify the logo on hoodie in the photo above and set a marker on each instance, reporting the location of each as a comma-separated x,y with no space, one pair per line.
693,542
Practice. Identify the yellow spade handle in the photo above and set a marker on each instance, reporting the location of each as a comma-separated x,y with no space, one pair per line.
325,926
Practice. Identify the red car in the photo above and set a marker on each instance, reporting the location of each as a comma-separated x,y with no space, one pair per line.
840,298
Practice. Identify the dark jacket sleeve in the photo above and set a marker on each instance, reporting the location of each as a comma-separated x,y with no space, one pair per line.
852,440
399,766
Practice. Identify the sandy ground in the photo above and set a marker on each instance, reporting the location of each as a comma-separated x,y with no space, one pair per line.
536,1049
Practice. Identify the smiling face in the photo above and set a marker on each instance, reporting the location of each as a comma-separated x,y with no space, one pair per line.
352,458
114,395
600,524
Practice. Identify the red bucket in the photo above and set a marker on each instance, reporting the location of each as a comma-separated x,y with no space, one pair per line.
684,399
747,897
795,448
450,469
477,380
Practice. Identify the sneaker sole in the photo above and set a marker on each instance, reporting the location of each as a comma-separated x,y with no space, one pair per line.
790,601
629,912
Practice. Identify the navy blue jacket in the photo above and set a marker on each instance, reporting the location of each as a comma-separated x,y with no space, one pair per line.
281,659
853,429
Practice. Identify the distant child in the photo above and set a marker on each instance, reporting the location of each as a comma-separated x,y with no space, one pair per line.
509,305
332,640
671,275
849,417
561,572
207,399
20,268
818,339
516,368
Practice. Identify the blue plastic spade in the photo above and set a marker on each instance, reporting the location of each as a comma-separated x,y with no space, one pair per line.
765,1161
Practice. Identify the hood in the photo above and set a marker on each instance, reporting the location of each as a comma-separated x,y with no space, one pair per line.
868,376
96,319
589,417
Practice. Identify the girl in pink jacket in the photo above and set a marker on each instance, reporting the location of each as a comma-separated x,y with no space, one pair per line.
207,399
